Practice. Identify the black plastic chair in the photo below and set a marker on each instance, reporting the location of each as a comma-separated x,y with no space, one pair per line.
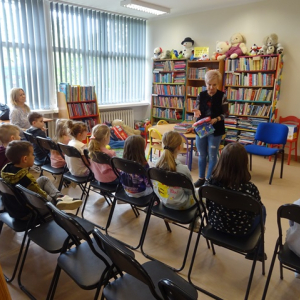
130,167
106,190
171,291
48,144
178,217
86,264
80,181
32,139
49,235
15,210
250,243
287,258
140,281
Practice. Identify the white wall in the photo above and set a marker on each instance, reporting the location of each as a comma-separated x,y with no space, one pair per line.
254,21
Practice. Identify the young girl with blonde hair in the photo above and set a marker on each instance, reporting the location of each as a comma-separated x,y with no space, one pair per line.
173,197
99,140
135,185
61,136
78,131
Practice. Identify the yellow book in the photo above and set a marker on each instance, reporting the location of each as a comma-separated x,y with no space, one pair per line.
199,51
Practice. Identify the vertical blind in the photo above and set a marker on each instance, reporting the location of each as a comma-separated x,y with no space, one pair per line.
23,51
93,47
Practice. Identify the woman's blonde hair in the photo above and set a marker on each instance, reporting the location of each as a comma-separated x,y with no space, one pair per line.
61,129
171,141
14,94
134,149
100,132
76,128
213,74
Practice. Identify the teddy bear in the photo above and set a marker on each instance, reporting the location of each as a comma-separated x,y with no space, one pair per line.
270,40
221,48
237,48
127,129
188,44
157,53
271,49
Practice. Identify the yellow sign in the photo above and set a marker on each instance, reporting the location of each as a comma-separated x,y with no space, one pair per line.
199,51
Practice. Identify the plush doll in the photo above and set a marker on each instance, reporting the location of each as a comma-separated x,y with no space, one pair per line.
237,48
270,50
254,50
180,55
174,54
204,57
127,129
157,53
270,40
188,44
221,48
279,49
167,55
261,51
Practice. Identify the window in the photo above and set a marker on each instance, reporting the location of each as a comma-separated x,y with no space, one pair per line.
93,47
23,51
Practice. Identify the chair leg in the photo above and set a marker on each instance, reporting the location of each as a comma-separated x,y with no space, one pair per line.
250,162
296,150
251,274
282,161
270,271
53,284
168,226
272,173
290,153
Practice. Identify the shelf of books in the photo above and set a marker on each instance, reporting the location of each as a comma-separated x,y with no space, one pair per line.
78,103
195,82
168,90
252,85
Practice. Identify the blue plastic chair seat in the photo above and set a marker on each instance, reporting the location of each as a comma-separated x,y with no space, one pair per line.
260,150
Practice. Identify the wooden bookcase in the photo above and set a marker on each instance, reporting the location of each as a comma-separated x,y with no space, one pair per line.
86,111
252,85
168,90
196,83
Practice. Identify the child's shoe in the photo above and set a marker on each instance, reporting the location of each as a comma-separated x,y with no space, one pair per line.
297,275
68,203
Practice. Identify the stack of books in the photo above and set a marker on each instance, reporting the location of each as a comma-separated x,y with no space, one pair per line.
182,127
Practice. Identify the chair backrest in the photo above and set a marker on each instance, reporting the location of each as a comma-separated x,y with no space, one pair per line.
154,134
13,203
101,158
230,199
290,212
291,120
35,200
123,261
127,166
171,291
30,138
272,133
47,144
162,122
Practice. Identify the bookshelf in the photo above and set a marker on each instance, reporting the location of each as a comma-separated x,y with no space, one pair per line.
168,90
79,104
195,82
252,85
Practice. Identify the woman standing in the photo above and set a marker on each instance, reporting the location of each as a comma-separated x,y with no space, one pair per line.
210,103
19,110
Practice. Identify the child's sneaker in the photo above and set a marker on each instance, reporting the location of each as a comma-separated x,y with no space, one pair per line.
297,275
68,203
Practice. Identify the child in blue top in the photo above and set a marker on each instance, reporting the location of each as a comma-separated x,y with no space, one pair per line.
135,185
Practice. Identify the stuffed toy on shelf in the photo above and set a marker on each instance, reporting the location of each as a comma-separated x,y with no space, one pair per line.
254,50
221,48
128,130
237,48
158,53
188,44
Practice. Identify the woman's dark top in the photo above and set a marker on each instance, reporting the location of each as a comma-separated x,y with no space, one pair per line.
213,106
237,222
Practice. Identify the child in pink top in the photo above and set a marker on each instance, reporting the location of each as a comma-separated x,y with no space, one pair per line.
61,136
98,142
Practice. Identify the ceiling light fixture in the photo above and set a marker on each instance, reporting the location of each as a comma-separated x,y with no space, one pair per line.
145,7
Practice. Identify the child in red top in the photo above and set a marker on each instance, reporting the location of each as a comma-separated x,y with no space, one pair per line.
99,140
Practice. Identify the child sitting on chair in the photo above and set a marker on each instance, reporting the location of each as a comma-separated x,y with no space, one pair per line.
37,129
98,141
21,155
135,185
8,133
173,197
76,166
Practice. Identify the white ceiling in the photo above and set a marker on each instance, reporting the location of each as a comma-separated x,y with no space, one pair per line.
178,7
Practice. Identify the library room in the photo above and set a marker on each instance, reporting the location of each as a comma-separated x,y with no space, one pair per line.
148,149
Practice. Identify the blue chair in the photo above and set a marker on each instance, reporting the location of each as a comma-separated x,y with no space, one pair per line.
269,133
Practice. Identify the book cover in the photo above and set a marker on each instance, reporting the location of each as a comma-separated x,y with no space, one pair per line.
199,51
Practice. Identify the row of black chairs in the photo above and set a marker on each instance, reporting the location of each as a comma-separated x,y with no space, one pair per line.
91,263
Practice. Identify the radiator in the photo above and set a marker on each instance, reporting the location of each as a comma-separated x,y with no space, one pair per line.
126,116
